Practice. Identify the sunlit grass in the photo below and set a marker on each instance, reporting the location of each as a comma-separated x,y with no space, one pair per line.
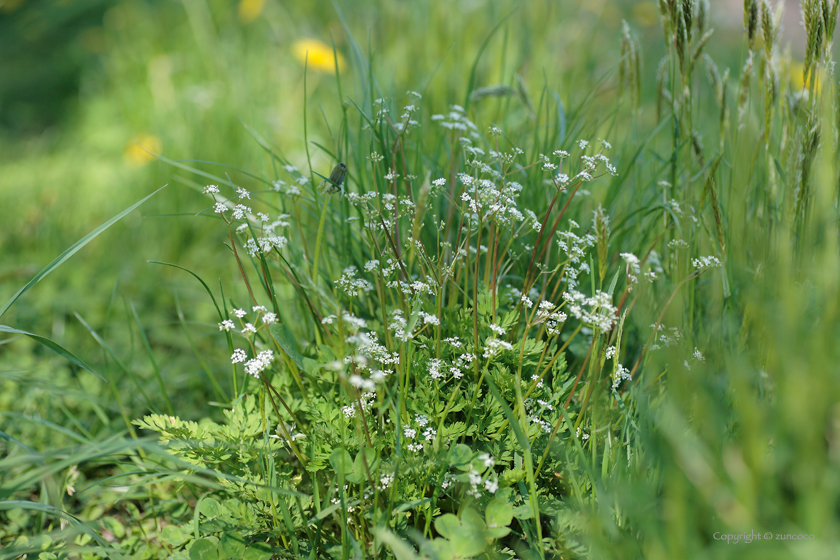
728,425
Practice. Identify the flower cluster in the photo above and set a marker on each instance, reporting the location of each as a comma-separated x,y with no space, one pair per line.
548,313
705,262
493,346
269,239
256,365
428,434
620,374
352,285
596,311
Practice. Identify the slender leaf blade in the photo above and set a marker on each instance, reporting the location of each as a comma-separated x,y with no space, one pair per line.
72,250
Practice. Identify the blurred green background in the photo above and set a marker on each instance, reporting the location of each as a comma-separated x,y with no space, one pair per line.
86,85
89,87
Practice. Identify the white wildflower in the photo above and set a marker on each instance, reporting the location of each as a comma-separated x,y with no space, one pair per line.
238,356
269,318
499,330
705,262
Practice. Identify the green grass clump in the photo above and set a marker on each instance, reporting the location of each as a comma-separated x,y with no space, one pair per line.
525,324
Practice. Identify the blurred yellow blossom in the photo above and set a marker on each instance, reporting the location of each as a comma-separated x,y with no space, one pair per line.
797,77
138,148
320,55
249,10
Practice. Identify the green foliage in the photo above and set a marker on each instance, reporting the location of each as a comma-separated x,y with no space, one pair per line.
505,338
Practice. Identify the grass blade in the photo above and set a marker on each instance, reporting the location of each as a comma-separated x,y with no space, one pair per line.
73,250
54,346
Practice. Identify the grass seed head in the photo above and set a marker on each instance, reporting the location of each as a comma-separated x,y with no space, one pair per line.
751,20
768,27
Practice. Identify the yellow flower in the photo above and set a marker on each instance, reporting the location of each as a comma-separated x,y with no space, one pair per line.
797,77
320,55
137,150
249,10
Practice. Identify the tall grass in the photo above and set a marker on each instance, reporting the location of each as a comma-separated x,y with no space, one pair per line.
491,343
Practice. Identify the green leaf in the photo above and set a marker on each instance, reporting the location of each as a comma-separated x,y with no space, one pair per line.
233,544
113,525
460,457
471,539
512,476
210,507
204,549
477,464
442,548
359,472
326,512
550,505
55,347
310,366
173,535
467,536
405,506
447,525
401,549
78,245
523,512
6,505
499,514
258,551
614,281
517,429
286,341
341,461
473,522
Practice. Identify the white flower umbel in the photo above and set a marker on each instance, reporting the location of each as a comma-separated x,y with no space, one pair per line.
621,374
269,318
633,262
434,368
596,311
491,485
493,346
261,362
498,329
705,262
